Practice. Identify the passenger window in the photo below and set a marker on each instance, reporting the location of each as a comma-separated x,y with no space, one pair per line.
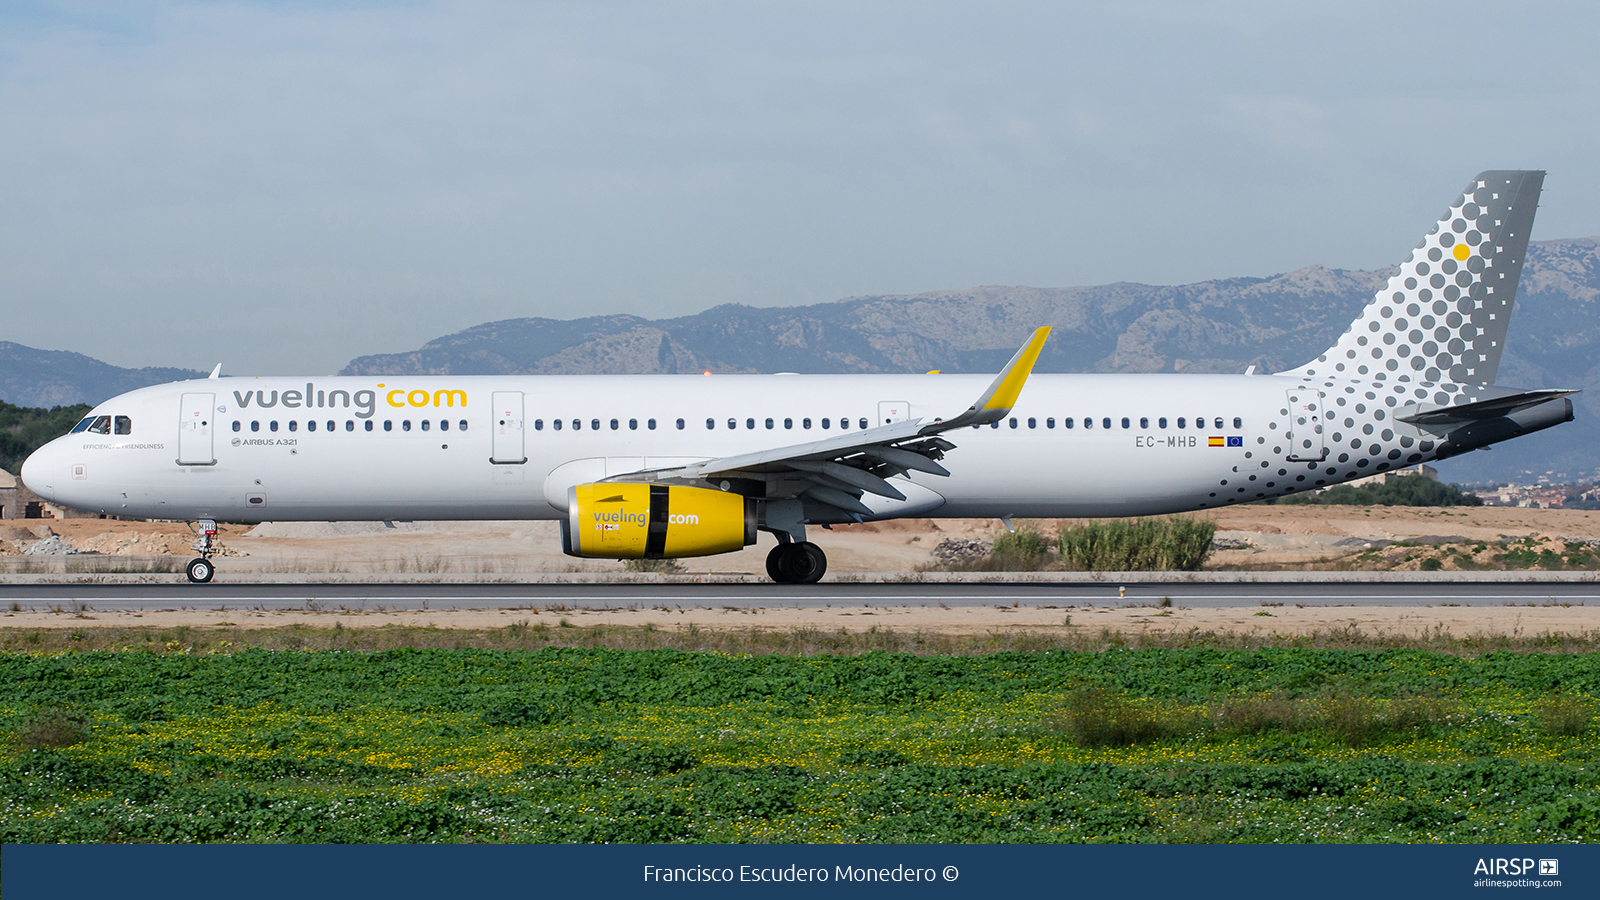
369,424
1067,422
1125,422
556,424
788,423
650,424
405,424
1238,422
1219,423
680,424
1180,422
124,425
462,425
862,423
424,424
538,424
1050,423
844,423
100,425
633,424
594,424
1088,422
805,423
733,424
1105,422
444,424
255,426
1032,422
237,425
769,424
273,425
349,424
388,424
1144,422
614,425
1013,421
577,424
993,425
750,424
710,424
1162,421
311,425
824,424
294,424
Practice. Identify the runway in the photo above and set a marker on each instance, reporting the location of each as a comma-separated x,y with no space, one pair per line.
403,597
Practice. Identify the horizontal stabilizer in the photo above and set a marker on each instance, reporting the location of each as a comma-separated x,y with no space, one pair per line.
1484,409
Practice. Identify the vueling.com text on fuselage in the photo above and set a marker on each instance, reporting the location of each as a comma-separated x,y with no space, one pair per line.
363,401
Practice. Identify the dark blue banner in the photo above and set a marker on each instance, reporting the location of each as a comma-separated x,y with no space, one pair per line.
313,872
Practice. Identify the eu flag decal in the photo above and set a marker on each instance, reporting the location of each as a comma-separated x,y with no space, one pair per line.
1235,441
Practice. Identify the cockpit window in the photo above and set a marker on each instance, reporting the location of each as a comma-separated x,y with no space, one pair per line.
124,425
82,426
100,425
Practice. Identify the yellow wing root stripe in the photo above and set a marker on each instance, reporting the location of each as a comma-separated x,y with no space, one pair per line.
1016,375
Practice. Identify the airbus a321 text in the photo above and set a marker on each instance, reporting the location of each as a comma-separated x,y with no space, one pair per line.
648,466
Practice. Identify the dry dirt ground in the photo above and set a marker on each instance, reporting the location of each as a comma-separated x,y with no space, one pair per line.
1277,537
1405,622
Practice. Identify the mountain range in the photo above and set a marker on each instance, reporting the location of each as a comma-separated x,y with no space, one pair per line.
1223,325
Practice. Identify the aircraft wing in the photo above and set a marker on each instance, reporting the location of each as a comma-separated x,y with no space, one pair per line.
837,471
1484,409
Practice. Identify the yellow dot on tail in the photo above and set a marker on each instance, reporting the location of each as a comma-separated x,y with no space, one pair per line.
1463,251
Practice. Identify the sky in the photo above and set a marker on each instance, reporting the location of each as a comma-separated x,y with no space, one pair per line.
283,186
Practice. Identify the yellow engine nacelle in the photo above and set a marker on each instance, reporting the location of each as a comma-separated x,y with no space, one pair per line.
654,521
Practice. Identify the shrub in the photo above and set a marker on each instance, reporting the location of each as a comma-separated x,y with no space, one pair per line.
658,566
53,729
1096,717
1564,715
1127,545
1255,715
1020,551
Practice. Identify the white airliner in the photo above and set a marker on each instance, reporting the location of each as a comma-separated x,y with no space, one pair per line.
646,466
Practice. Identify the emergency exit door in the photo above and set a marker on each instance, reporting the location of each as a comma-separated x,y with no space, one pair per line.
508,449
197,414
890,411
1306,418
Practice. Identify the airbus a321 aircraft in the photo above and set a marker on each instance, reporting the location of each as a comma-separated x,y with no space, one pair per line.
648,466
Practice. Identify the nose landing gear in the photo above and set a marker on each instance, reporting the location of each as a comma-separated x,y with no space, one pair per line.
796,562
201,570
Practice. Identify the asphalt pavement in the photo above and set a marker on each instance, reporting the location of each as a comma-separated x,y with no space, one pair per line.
108,597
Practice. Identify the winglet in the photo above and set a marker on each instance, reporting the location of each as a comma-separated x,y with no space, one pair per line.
1002,394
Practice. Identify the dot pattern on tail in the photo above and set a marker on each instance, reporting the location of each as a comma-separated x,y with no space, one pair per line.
1443,317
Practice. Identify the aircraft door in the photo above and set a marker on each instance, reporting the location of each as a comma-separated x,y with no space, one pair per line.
1306,419
197,414
508,449
890,411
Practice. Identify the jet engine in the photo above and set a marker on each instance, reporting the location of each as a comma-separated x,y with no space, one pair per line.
626,520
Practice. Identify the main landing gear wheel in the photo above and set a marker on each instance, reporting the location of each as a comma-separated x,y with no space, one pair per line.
200,571
797,563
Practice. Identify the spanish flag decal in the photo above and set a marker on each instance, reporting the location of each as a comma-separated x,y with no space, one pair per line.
1215,442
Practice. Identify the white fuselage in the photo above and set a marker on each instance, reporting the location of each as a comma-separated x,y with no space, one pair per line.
406,447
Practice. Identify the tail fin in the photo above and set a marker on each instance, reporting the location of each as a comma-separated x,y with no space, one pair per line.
1443,317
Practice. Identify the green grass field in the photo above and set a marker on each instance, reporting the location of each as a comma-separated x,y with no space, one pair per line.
584,744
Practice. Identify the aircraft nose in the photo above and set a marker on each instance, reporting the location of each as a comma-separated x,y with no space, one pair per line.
39,473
